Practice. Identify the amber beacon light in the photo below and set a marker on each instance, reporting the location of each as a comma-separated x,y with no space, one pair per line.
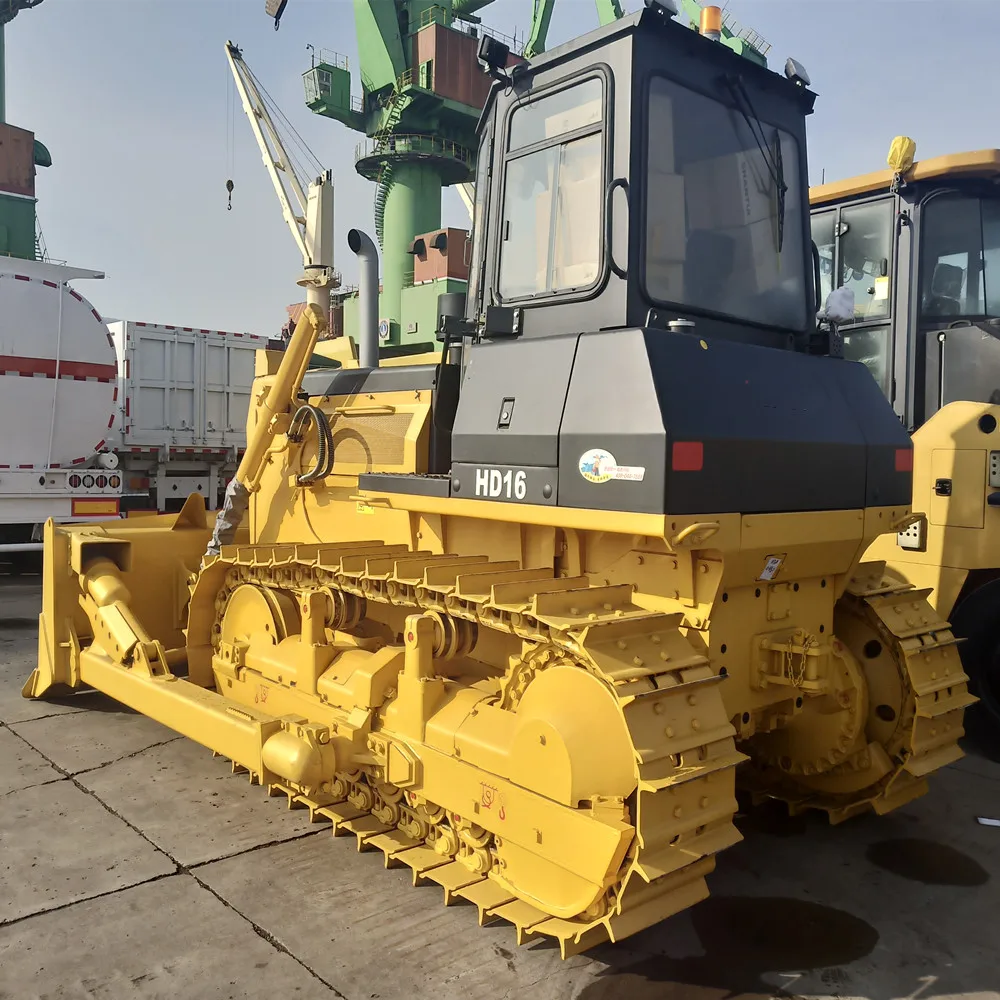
711,22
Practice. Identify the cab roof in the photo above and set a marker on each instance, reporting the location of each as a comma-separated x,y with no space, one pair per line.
981,163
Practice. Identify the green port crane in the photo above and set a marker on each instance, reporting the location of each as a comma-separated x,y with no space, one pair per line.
9,9
20,235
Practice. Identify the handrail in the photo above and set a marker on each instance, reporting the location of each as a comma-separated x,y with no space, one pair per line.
396,144
433,15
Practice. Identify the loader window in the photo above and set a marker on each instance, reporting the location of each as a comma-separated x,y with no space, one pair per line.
720,236
960,258
552,194
870,346
822,235
865,251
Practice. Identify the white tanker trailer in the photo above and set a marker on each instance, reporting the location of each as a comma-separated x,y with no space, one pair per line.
58,403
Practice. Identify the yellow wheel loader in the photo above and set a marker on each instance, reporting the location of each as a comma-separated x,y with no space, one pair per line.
522,617
919,246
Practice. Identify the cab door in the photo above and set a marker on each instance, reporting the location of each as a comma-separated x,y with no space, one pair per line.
856,250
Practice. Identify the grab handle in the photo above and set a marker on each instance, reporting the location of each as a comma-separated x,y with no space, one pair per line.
618,182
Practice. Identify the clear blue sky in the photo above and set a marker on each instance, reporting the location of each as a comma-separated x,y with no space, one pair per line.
130,96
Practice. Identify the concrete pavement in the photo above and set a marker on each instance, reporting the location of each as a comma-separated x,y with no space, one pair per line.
133,864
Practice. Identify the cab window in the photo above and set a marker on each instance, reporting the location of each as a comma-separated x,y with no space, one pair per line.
870,346
855,248
723,211
482,194
960,258
552,194
822,236
865,251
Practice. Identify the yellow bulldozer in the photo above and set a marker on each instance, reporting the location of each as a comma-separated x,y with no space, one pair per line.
919,246
522,616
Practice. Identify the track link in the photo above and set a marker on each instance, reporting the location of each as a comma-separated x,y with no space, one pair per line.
685,756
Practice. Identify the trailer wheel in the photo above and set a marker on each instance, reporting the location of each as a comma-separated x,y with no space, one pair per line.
977,620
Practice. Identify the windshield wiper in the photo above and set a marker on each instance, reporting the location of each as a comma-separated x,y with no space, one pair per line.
772,160
779,165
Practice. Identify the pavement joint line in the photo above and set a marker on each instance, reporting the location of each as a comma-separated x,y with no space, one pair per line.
180,869
86,770
87,791
128,756
37,784
258,847
971,773
262,932
51,715
87,899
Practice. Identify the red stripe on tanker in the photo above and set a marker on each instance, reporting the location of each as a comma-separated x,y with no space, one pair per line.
58,369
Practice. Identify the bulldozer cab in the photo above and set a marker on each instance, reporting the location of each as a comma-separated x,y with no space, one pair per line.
643,175
922,256
640,330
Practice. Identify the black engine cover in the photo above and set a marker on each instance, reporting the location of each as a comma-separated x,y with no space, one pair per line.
650,421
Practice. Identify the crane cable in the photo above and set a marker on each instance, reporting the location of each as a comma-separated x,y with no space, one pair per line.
312,163
230,136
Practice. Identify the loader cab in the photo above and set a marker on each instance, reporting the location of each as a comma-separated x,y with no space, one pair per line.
644,175
922,256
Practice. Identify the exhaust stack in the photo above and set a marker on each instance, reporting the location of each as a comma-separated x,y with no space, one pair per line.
362,245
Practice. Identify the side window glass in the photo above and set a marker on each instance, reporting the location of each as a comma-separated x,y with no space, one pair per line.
991,256
870,346
479,217
951,278
564,111
865,252
552,194
822,236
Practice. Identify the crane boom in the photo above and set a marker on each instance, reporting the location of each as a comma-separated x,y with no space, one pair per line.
273,151
307,209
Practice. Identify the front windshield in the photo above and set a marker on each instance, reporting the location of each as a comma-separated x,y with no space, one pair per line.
720,235
960,258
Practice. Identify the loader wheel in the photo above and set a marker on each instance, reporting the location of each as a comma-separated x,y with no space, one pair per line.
977,620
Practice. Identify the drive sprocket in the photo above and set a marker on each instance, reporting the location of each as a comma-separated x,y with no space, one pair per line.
901,710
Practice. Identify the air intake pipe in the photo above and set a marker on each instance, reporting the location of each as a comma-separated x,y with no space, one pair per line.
362,245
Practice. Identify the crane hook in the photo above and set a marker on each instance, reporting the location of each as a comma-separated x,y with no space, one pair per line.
229,188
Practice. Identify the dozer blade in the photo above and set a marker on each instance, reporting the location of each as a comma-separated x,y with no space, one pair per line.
155,559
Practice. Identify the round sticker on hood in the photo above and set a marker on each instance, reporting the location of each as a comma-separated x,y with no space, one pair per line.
600,466
595,465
